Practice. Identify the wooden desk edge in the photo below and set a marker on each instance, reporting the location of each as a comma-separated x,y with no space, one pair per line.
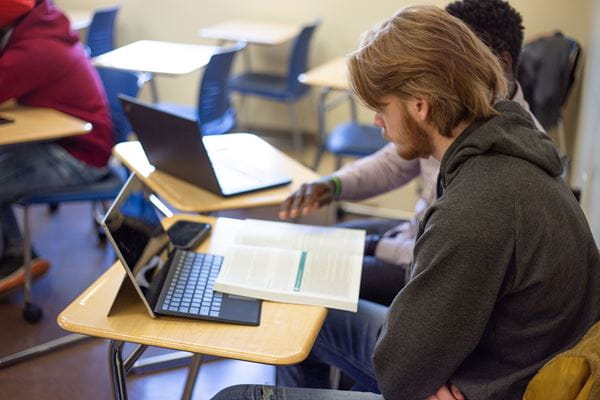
292,358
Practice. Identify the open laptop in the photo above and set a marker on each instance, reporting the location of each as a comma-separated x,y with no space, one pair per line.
173,144
168,280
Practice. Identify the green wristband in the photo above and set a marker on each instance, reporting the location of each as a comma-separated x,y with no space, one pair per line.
337,186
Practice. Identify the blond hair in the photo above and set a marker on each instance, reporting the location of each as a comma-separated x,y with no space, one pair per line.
425,52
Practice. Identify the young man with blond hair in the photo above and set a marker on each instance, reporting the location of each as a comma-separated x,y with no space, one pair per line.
505,267
389,244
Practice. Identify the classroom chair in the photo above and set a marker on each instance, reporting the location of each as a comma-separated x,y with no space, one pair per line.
571,375
282,88
107,188
214,112
351,139
101,33
547,73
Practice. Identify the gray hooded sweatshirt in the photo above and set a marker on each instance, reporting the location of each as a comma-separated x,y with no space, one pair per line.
506,272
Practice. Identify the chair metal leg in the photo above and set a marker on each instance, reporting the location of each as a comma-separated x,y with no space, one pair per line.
117,369
27,254
31,312
41,349
133,356
120,368
297,133
192,377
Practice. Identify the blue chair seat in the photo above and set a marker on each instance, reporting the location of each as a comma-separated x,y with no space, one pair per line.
224,123
107,188
354,139
266,85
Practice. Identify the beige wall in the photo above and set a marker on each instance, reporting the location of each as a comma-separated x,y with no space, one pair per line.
587,166
344,20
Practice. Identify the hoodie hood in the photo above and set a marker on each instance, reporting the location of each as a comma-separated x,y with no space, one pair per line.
46,18
511,133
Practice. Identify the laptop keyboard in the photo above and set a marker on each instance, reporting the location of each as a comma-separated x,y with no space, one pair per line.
191,289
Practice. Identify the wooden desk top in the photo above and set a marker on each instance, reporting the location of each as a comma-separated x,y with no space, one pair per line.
32,124
240,146
80,19
285,335
267,33
165,58
332,74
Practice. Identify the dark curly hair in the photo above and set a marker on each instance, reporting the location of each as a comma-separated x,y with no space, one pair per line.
495,22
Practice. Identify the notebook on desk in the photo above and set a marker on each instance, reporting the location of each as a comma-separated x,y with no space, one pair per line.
168,280
174,144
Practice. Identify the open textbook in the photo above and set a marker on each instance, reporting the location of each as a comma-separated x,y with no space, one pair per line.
294,263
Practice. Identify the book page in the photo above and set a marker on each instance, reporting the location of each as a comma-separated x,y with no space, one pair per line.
290,276
301,237
260,267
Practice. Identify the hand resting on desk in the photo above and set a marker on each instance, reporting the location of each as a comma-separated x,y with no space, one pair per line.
310,196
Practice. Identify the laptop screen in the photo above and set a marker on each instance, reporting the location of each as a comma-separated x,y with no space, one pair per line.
135,229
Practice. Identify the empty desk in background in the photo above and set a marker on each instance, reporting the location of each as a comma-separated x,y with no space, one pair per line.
253,32
285,335
245,147
34,124
80,19
331,76
157,58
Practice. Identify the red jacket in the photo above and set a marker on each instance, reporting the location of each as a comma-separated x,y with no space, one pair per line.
43,64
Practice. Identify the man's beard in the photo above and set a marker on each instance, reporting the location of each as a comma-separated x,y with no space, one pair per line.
419,144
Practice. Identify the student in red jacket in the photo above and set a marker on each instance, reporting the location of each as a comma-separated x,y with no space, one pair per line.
43,64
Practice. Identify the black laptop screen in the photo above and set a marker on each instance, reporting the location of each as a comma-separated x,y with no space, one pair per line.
135,228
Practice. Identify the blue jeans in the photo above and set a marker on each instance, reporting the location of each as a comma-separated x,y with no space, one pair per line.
346,341
266,392
30,168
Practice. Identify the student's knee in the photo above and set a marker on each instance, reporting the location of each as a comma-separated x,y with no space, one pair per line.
246,392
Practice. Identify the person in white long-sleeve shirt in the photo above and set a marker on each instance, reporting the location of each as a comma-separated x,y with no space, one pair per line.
389,245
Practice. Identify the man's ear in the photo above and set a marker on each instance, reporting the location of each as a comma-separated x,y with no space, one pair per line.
507,62
420,108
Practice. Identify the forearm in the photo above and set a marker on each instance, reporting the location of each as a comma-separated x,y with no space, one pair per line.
376,174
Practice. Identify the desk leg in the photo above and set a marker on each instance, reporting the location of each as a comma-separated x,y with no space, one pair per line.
117,370
192,375
322,127
153,89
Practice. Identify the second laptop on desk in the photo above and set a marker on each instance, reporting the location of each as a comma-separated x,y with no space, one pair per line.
174,145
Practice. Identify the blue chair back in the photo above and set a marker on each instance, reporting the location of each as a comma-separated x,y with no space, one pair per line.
101,33
213,100
115,82
298,63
